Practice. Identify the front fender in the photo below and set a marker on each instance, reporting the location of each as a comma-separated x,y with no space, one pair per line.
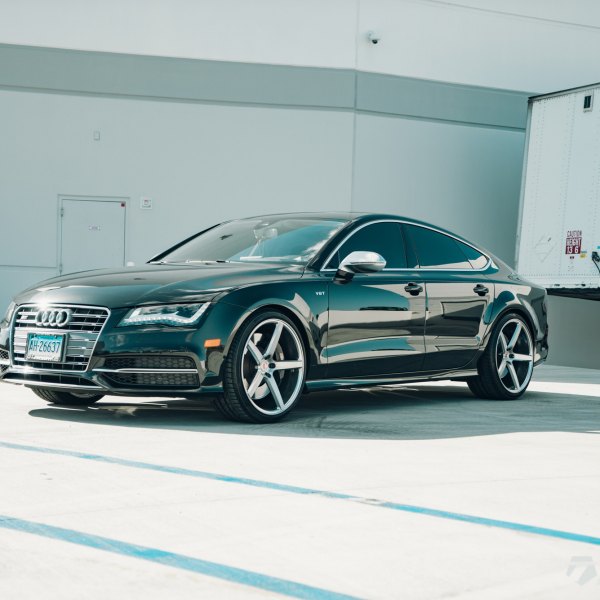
306,304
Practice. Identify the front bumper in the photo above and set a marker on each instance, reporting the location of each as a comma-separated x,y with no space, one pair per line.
127,381
135,361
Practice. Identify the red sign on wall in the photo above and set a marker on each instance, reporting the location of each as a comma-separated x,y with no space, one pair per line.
573,243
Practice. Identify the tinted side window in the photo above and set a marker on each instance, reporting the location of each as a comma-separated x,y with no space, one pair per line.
383,238
436,250
477,260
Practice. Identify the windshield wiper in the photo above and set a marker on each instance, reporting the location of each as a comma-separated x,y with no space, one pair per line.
191,261
188,261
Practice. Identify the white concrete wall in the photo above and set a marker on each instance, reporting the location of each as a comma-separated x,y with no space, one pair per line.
538,45
488,43
203,163
200,164
466,179
293,32
574,331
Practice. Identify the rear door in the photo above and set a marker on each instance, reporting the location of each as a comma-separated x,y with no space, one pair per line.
376,327
458,294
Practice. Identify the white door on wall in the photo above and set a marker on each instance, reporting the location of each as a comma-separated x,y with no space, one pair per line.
92,233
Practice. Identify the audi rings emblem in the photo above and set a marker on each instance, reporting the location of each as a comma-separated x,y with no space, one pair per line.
54,317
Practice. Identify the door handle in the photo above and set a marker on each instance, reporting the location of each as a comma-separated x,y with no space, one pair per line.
480,289
413,288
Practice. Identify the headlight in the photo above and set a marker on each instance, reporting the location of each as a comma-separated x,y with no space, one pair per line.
9,312
166,314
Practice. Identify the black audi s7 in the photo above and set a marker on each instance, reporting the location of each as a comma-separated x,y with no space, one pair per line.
256,311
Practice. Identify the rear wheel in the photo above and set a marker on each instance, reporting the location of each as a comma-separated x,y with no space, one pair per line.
68,398
506,367
264,370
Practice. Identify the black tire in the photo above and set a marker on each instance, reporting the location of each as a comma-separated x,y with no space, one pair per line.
475,386
223,409
260,383
67,398
505,367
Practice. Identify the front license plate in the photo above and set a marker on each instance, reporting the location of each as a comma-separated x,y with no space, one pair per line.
44,346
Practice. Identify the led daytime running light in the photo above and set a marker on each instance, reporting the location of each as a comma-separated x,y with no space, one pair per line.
164,315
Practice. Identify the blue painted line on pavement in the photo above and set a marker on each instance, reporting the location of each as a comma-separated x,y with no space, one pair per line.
171,559
282,487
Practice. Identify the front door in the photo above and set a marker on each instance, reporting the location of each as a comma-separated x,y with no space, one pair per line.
376,327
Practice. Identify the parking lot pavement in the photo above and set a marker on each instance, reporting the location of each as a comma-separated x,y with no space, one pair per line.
416,492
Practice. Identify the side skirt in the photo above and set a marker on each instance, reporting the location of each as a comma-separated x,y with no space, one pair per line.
331,384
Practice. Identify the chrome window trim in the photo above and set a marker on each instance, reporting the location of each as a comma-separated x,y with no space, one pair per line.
401,269
51,304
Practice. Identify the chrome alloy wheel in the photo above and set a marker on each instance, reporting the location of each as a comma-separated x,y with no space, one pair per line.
514,356
272,366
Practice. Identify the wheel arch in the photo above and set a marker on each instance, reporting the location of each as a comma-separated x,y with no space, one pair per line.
513,308
291,313
293,317
488,383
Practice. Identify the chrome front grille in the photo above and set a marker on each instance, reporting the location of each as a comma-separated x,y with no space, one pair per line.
82,333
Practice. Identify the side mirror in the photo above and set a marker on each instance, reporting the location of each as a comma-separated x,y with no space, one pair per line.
362,262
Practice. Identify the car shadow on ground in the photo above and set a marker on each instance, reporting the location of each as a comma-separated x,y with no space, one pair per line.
406,413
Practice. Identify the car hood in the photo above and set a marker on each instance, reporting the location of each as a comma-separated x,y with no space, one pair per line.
154,284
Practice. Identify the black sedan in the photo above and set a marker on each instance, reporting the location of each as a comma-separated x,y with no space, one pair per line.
256,311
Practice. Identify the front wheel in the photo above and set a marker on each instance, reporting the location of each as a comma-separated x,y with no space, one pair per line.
67,398
506,367
264,371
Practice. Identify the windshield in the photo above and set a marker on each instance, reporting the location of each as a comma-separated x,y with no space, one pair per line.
271,239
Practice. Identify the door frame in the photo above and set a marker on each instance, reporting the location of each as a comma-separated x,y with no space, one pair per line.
85,198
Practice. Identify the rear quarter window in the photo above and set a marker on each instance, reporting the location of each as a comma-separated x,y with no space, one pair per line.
436,250
477,260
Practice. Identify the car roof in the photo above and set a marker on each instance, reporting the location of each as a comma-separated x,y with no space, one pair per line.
359,217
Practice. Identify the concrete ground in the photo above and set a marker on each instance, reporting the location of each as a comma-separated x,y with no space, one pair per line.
155,499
